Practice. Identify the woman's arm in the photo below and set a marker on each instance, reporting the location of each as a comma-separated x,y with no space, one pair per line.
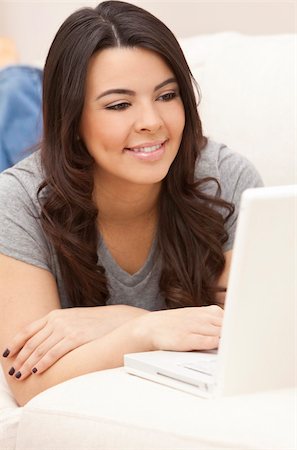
43,342
29,297
28,293
183,329
104,353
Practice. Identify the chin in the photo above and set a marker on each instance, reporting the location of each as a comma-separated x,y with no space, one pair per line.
150,178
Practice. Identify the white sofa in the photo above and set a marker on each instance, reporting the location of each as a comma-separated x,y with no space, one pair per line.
248,86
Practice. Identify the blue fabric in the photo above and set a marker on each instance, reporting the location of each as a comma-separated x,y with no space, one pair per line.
20,112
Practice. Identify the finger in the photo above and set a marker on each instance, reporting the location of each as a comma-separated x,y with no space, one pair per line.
53,355
207,319
50,357
216,321
35,345
215,310
214,314
22,371
23,336
207,329
201,342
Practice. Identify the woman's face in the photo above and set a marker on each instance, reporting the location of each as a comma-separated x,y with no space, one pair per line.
133,117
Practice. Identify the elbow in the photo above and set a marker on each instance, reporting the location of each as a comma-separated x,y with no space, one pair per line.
24,390
23,394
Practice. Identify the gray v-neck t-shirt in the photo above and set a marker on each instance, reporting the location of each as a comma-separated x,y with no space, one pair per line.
22,237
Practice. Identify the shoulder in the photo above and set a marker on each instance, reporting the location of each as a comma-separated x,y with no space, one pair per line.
21,233
21,181
233,171
235,174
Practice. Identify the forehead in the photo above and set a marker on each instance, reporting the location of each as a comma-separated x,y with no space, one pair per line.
126,67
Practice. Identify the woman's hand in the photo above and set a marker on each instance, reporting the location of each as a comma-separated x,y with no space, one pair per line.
183,329
46,340
40,344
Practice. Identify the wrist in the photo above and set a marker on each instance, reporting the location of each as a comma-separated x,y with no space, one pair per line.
142,331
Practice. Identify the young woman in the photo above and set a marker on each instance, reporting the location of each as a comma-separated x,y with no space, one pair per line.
115,236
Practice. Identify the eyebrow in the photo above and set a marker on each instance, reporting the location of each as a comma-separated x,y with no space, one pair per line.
132,93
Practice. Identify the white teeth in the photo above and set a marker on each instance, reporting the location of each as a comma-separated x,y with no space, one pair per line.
147,149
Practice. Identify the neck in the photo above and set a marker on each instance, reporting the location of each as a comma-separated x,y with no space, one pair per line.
120,203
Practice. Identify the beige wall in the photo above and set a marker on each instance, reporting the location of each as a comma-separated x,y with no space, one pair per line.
32,24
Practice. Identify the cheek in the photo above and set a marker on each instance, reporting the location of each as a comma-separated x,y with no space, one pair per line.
115,129
178,114
177,121
105,131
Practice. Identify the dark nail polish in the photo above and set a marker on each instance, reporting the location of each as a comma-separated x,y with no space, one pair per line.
34,370
6,353
12,370
18,375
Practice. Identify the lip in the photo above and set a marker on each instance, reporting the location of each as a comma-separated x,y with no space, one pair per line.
156,155
147,144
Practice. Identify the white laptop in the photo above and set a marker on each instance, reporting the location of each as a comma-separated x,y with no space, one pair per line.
258,343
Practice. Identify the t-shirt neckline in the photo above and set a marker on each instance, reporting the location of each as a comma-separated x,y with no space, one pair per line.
113,268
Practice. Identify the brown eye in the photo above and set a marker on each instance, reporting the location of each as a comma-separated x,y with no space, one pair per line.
168,96
118,106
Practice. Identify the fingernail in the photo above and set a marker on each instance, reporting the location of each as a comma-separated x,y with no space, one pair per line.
18,375
6,353
34,370
12,370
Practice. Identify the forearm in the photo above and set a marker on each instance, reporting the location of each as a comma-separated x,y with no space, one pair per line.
182,329
103,353
113,316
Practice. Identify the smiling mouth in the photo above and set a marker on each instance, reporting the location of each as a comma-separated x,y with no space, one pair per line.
146,149
148,153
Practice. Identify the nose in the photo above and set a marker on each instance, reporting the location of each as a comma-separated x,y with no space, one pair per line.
148,119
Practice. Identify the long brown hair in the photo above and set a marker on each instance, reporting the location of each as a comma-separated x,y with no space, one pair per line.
191,229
